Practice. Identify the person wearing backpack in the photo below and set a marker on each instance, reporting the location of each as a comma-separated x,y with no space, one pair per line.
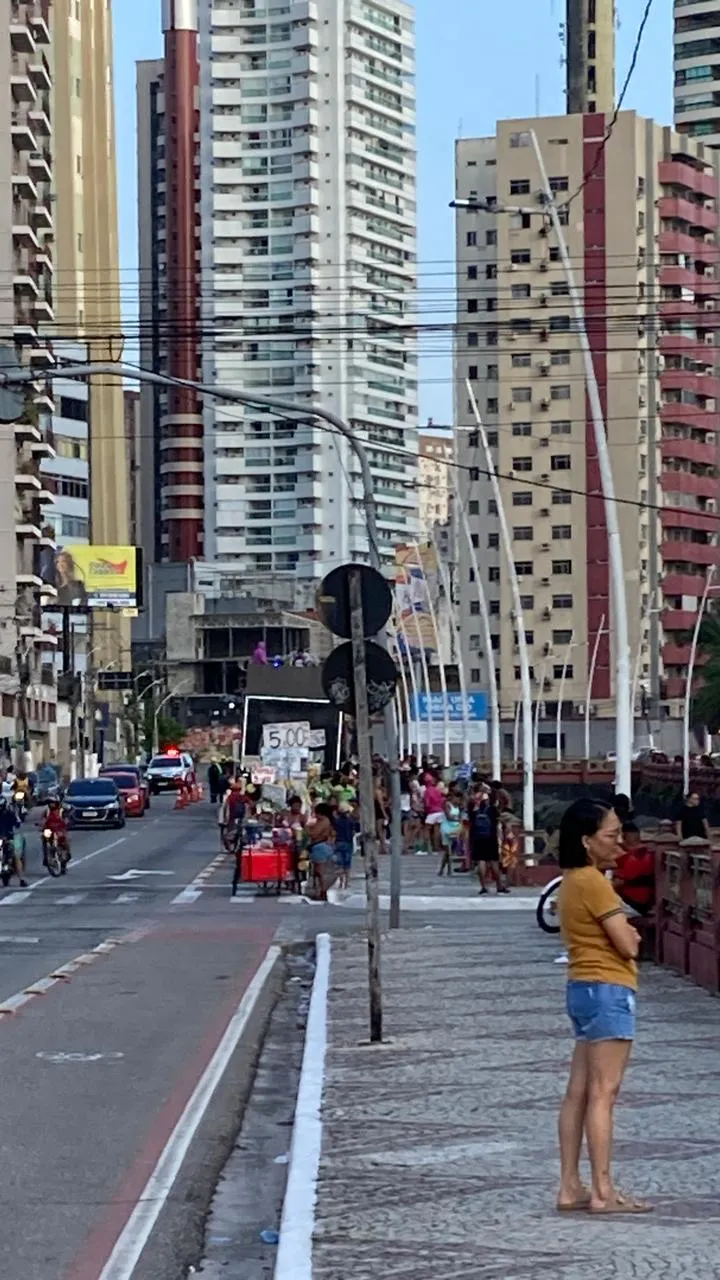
484,844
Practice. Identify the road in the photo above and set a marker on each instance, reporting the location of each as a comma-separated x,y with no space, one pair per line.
100,1062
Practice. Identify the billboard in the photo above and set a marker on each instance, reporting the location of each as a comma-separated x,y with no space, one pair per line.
93,577
416,595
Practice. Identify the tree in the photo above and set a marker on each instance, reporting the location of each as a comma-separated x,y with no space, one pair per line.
706,700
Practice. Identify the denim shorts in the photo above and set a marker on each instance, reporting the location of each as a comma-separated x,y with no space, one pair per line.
601,1011
343,854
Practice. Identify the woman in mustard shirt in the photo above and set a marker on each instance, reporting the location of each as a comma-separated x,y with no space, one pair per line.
602,980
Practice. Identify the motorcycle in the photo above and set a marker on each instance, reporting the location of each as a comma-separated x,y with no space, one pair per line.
546,912
55,858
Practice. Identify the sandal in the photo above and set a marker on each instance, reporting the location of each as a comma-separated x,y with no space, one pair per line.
622,1204
581,1205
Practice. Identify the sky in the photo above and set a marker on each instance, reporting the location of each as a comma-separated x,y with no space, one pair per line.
477,62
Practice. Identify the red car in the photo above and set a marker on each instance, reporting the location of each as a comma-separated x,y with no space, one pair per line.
132,794
111,770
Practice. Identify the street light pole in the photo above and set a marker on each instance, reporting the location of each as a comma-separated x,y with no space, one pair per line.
156,713
690,673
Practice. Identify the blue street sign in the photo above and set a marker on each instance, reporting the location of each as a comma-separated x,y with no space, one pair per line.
477,705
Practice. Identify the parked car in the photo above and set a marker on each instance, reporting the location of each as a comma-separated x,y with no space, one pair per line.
47,784
170,771
93,802
132,794
112,770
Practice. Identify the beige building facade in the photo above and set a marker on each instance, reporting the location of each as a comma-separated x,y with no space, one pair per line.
435,456
641,217
87,289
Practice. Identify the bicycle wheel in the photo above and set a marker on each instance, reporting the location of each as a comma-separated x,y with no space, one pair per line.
546,911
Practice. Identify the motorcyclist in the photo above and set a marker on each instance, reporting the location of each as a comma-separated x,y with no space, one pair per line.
233,813
9,826
54,821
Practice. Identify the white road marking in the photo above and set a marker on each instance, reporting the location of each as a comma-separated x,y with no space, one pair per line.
14,899
293,1260
194,889
127,897
135,874
188,895
153,1197
16,937
71,899
63,1058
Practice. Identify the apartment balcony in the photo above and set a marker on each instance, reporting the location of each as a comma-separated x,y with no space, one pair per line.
40,214
690,552
707,251
40,163
48,490
39,19
682,518
690,415
21,36
21,86
43,307
23,136
674,686
43,450
695,215
23,233
40,74
687,483
678,173
700,384
682,620
684,584
691,451
42,356
681,344
703,286
26,433
675,655
24,282
47,537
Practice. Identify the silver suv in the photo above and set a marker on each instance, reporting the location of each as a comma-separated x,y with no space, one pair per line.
170,771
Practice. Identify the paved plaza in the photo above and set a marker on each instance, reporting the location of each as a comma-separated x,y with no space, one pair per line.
439,1156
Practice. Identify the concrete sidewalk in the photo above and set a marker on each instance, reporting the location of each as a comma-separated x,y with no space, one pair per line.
439,1150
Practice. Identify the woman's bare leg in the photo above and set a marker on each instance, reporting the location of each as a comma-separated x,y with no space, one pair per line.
607,1060
571,1125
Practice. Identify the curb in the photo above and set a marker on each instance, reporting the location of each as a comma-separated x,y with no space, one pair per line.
294,1255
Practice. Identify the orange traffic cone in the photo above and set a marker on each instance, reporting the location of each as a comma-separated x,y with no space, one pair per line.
180,800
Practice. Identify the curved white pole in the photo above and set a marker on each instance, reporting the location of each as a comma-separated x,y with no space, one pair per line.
462,674
690,673
424,666
403,681
644,632
415,718
623,716
516,734
561,695
519,618
493,700
399,723
588,695
441,664
538,704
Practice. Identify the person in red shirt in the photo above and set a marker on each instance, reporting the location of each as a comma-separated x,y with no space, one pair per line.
634,876
54,821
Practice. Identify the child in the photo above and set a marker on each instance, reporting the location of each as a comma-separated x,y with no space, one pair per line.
450,832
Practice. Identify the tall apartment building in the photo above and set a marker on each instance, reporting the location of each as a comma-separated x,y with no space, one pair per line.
26,238
641,222
436,455
87,279
697,69
298,204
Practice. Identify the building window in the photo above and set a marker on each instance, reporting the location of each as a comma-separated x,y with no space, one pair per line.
491,337
519,291
492,404
559,324
520,187
560,462
561,637
561,428
560,392
522,498
491,271
523,533
474,675
75,410
474,507
472,373
562,602
527,602
492,437
561,532
520,257
472,273
491,304
524,568
521,324
521,395
491,237
474,608
561,498
471,239
522,464
559,289
492,507
491,373
559,184
522,428
493,573
494,609
472,305
558,672
75,527
563,568
472,339
560,357
493,541
475,539
521,360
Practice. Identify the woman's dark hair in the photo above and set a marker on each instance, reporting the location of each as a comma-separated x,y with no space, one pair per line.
323,810
583,818
630,829
622,805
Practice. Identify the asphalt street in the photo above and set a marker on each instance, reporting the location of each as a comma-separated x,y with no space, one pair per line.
117,984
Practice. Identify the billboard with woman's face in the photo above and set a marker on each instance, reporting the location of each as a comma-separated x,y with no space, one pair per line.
91,577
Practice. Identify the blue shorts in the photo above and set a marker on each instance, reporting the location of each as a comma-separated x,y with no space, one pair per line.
343,854
601,1011
321,852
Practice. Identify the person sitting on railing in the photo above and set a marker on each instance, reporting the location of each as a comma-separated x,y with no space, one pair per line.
691,821
634,875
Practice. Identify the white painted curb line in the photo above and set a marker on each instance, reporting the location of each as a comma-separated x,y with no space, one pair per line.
294,1255
139,1226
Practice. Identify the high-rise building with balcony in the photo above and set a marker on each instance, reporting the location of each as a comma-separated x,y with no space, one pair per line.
26,239
640,212
697,69
279,257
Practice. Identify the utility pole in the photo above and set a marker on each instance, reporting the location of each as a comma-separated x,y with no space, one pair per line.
367,803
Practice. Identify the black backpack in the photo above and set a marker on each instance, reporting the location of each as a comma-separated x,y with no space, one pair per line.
482,824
